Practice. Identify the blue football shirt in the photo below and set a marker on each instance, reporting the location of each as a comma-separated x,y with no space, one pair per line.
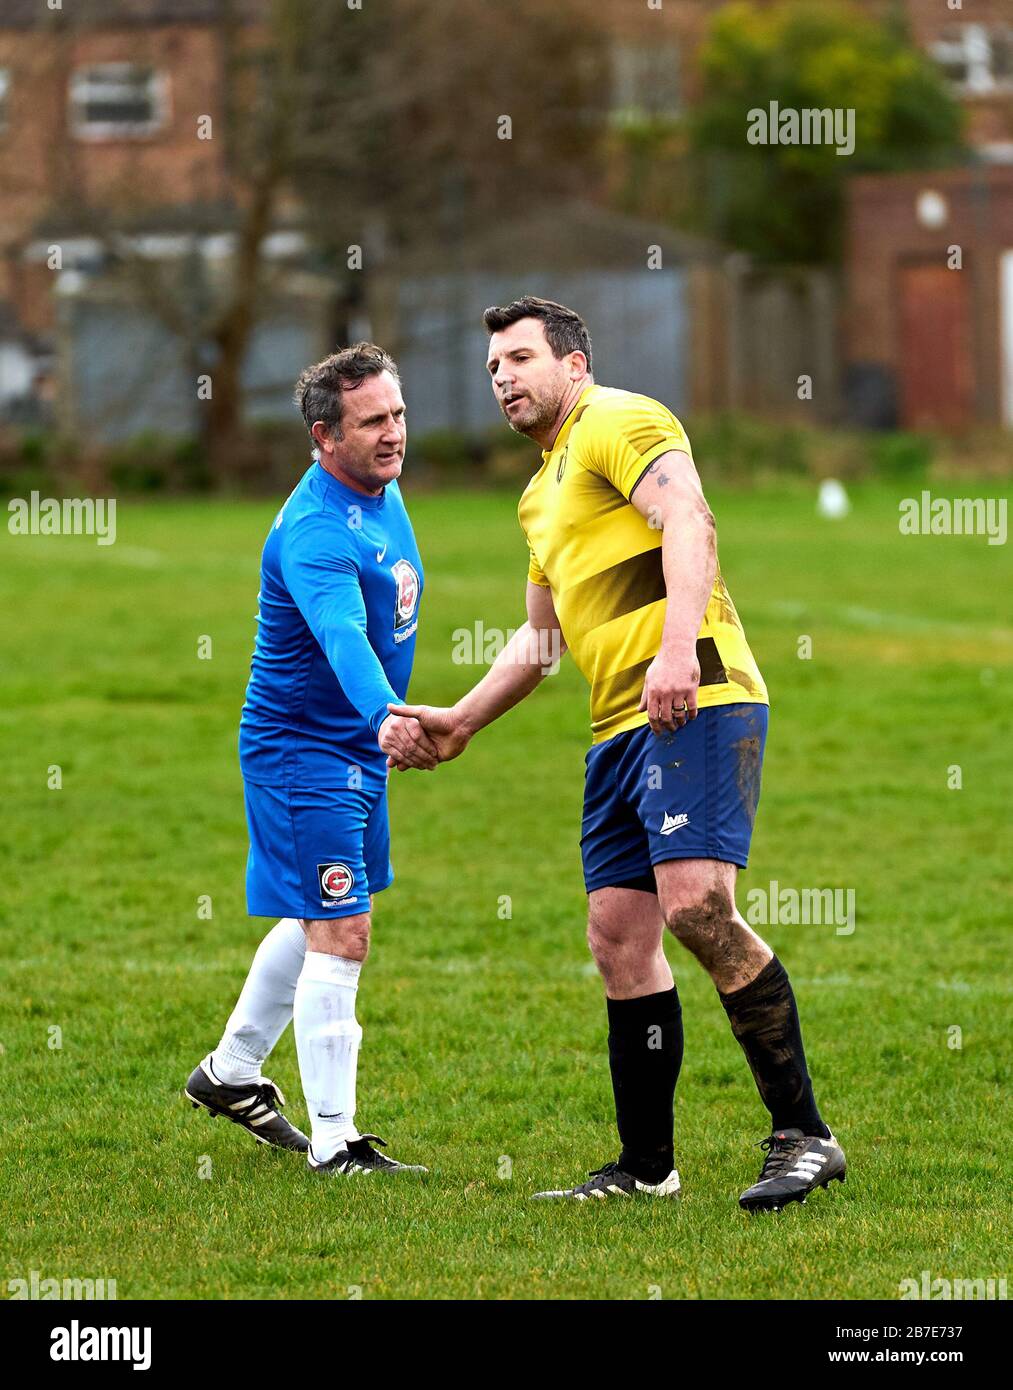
340,584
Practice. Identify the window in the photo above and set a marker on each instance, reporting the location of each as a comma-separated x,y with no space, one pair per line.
976,59
5,87
1002,58
117,100
645,82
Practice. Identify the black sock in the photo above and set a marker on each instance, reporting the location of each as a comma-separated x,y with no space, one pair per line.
764,1019
645,1054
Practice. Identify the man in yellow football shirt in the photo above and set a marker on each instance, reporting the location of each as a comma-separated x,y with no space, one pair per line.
624,574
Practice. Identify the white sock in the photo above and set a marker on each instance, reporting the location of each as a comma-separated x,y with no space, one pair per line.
264,1007
327,1039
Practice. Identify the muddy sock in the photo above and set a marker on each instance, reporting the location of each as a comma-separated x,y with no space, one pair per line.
764,1019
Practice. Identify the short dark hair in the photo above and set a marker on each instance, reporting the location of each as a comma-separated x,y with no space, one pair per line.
320,389
565,330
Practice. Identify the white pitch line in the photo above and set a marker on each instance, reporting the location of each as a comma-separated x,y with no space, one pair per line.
875,618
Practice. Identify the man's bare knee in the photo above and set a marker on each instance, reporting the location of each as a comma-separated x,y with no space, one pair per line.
602,940
614,957
339,936
624,930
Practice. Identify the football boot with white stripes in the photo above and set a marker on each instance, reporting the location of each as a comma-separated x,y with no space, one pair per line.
254,1105
611,1181
359,1156
796,1163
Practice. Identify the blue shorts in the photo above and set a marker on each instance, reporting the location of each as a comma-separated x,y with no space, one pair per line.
316,852
691,794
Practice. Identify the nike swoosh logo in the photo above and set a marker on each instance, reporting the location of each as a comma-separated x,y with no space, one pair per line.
380,554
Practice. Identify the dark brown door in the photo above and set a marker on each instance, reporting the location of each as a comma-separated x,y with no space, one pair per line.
936,383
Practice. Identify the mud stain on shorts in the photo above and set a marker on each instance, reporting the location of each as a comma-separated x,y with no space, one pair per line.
747,773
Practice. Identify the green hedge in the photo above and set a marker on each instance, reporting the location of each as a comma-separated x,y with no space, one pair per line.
734,449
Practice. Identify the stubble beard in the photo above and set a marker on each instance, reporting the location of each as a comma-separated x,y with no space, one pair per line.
540,415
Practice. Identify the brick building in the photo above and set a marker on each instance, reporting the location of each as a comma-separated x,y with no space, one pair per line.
655,44
922,345
928,332
99,113
100,103
929,317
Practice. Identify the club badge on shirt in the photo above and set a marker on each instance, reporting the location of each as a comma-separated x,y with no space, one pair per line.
407,581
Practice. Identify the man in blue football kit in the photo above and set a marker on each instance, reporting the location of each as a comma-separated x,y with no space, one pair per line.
341,581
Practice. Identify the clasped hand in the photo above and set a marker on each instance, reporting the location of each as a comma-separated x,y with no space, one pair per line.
420,736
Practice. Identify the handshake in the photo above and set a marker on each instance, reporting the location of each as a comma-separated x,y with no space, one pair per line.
421,736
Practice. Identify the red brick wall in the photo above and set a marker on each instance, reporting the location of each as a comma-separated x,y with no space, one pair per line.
45,169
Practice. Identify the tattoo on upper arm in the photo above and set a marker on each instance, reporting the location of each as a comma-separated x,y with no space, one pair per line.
662,479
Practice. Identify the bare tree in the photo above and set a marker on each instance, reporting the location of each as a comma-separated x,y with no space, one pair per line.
396,126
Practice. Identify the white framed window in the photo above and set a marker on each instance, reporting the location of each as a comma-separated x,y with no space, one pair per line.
645,81
112,101
976,58
5,92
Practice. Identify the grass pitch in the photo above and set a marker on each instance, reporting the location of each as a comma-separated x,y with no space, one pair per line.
484,1052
